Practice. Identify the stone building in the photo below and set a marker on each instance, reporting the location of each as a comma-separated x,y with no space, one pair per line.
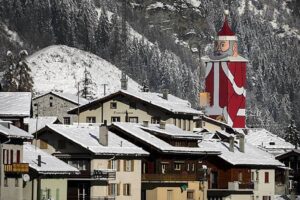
57,104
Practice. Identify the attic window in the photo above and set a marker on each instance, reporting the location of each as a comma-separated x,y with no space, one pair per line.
272,143
51,98
113,105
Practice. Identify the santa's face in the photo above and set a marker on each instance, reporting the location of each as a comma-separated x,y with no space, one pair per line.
224,48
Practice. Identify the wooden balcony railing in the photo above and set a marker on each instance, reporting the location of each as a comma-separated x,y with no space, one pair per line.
104,174
102,198
16,168
246,186
171,177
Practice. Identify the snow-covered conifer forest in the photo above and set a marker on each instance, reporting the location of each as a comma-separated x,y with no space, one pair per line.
162,41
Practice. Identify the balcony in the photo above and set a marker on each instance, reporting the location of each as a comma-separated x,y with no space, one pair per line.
246,186
104,174
170,177
16,168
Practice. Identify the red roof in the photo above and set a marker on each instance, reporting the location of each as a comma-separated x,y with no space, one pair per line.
226,30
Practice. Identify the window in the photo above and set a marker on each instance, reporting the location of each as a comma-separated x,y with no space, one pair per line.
132,105
190,195
177,166
67,120
155,120
43,144
115,119
90,119
5,182
16,182
50,98
128,165
18,156
114,164
113,189
50,104
79,164
133,119
266,177
61,144
127,189
11,156
113,105
240,177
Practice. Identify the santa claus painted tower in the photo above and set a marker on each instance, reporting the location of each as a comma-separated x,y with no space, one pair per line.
225,79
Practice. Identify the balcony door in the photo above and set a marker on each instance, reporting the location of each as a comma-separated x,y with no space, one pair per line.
214,180
78,190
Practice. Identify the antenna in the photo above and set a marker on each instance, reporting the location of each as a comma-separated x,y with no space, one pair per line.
78,104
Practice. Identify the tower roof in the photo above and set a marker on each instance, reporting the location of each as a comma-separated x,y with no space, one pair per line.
226,30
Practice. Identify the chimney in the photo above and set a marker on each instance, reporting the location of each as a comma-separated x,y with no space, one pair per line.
103,134
231,143
146,123
162,124
39,160
242,142
165,94
124,81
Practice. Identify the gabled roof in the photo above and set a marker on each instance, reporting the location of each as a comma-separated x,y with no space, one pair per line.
288,153
136,131
171,131
40,122
50,165
262,138
88,138
15,104
252,156
174,104
14,132
67,96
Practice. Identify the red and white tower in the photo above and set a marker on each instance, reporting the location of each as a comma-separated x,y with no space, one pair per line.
225,79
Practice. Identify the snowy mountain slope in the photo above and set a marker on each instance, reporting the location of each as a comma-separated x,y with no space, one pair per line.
60,67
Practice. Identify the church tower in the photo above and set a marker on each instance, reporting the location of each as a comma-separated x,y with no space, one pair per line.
225,79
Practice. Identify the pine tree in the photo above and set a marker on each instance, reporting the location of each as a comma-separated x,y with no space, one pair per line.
87,86
292,134
102,34
25,82
9,79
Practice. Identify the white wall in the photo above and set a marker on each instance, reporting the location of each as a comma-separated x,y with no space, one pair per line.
261,188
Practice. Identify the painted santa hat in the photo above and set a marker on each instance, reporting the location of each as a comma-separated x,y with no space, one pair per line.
226,33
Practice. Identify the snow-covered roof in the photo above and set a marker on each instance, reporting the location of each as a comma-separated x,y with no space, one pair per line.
262,138
252,156
171,131
14,132
15,104
88,137
67,96
49,164
41,123
136,131
172,104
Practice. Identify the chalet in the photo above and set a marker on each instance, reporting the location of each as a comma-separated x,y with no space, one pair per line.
12,164
241,171
134,106
47,177
57,104
15,106
291,159
110,166
174,169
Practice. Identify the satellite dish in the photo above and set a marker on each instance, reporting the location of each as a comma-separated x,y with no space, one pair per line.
26,177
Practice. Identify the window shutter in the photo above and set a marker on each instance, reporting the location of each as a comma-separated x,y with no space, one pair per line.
109,189
11,156
132,165
118,165
18,156
118,189
109,164
3,157
124,166
124,189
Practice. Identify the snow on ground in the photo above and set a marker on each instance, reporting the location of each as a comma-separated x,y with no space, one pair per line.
241,8
161,5
195,3
60,67
13,36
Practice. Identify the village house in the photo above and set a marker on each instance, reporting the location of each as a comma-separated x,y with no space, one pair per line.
291,159
241,171
174,170
12,164
47,177
15,106
110,166
57,104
